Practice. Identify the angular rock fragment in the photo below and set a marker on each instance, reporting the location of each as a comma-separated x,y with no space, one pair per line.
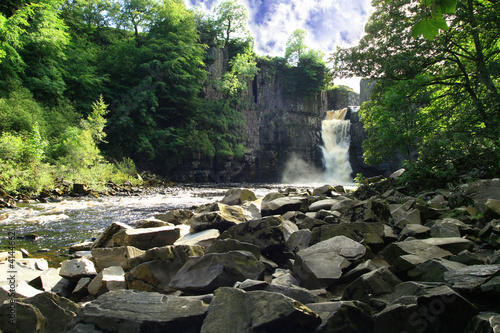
110,278
323,263
370,233
147,238
106,238
406,255
343,317
233,310
373,284
486,322
134,311
75,269
282,205
207,273
115,256
237,196
454,245
218,216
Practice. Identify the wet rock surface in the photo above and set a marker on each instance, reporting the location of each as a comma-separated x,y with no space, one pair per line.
380,259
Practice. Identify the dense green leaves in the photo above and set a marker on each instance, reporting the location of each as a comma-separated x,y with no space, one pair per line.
436,98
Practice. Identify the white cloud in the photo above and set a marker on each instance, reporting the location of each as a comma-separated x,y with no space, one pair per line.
330,23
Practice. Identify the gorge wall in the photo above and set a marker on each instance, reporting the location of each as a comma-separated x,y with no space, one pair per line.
279,126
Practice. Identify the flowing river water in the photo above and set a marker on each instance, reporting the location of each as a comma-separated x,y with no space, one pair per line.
47,230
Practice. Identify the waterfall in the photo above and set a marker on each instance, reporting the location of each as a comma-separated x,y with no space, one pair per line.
335,131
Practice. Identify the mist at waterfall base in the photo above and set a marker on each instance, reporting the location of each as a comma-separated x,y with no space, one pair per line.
335,132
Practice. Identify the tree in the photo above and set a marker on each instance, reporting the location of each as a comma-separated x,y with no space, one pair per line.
231,18
296,46
451,84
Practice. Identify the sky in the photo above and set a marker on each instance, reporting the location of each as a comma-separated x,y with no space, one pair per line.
329,23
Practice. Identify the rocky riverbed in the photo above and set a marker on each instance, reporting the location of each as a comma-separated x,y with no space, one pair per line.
378,259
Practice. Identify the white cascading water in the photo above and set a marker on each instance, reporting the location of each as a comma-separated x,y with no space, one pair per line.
336,139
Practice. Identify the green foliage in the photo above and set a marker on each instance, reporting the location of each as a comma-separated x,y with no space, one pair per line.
231,21
434,99
296,46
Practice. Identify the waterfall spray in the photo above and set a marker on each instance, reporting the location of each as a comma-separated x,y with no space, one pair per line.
336,139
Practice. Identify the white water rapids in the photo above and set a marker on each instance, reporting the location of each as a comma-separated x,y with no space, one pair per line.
337,169
336,139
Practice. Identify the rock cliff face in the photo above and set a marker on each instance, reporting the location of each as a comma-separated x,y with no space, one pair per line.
279,126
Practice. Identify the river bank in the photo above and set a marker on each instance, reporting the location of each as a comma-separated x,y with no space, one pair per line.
317,259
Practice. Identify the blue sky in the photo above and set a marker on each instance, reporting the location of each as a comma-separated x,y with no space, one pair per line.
329,23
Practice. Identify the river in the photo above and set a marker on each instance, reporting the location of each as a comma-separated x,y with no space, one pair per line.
47,230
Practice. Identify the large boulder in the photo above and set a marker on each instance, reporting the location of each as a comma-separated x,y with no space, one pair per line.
469,279
218,216
454,245
371,233
322,264
486,322
229,244
57,311
176,216
203,238
268,233
372,210
26,318
299,294
377,283
339,203
178,253
237,196
106,238
404,256
110,278
439,307
343,317
147,238
480,191
134,311
233,310
207,273
115,256
75,269
433,270
280,206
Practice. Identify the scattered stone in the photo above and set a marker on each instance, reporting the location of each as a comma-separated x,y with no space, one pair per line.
468,258
177,253
219,216
377,283
203,238
454,245
228,245
5,256
151,223
298,240
176,217
57,311
369,233
416,231
433,270
299,294
234,310
110,278
404,256
439,308
21,289
147,238
268,233
237,196
115,256
51,280
106,239
207,273
75,269
323,263
470,278
343,317
27,319
81,288
134,311
85,246
23,273
280,206
372,210
486,322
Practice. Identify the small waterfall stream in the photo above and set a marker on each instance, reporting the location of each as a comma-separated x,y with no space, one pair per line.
336,139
